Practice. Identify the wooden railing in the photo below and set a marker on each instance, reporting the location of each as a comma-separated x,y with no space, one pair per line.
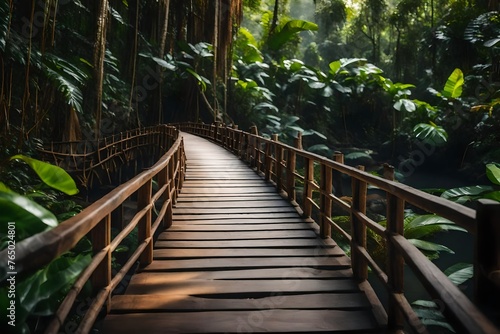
95,222
90,160
320,183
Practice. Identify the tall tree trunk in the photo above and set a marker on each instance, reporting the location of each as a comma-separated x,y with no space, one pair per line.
215,46
99,55
163,42
274,23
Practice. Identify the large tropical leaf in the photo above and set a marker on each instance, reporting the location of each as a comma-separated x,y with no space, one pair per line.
454,84
51,175
30,217
459,273
284,33
421,226
464,194
493,173
431,132
430,246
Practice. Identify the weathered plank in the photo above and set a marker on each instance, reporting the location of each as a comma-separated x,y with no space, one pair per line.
242,227
178,253
277,321
268,243
237,235
157,303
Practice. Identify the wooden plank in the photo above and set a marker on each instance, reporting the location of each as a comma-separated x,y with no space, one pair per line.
245,210
237,216
200,220
332,262
183,198
244,287
234,191
242,227
313,301
277,321
269,243
236,235
234,204
179,253
263,273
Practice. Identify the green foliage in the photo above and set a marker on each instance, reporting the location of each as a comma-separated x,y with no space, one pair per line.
284,32
431,132
417,228
463,195
428,311
41,293
454,84
53,176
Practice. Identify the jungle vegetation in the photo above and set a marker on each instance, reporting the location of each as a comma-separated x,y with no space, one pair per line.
415,83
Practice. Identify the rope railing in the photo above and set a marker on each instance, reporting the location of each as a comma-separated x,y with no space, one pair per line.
313,183
154,209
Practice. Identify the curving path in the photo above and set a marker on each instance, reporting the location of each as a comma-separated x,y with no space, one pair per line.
239,259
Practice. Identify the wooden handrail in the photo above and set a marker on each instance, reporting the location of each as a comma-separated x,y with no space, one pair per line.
279,163
39,250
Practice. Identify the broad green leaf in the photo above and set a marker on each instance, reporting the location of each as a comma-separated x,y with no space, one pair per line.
494,195
430,246
51,175
493,173
335,66
285,32
460,273
491,42
454,84
201,82
27,215
456,193
266,105
405,104
417,227
164,64
431,132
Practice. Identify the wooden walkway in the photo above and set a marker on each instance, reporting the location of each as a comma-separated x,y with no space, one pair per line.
239,258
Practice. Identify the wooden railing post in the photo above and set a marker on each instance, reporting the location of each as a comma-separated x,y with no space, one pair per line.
165,180
101,238
337,176
279,164
395,265
358,228
326,201
487,255
144,226
308,189
252,147
291,164
268,159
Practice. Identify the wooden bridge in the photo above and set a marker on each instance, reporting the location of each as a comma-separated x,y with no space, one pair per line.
238,250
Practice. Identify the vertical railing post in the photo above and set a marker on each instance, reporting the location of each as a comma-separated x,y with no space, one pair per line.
395,265
268,158
337,176
487,255
101,238
163,179
358,228
279,164
252,147
144,225
325,200
291,164
308,189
